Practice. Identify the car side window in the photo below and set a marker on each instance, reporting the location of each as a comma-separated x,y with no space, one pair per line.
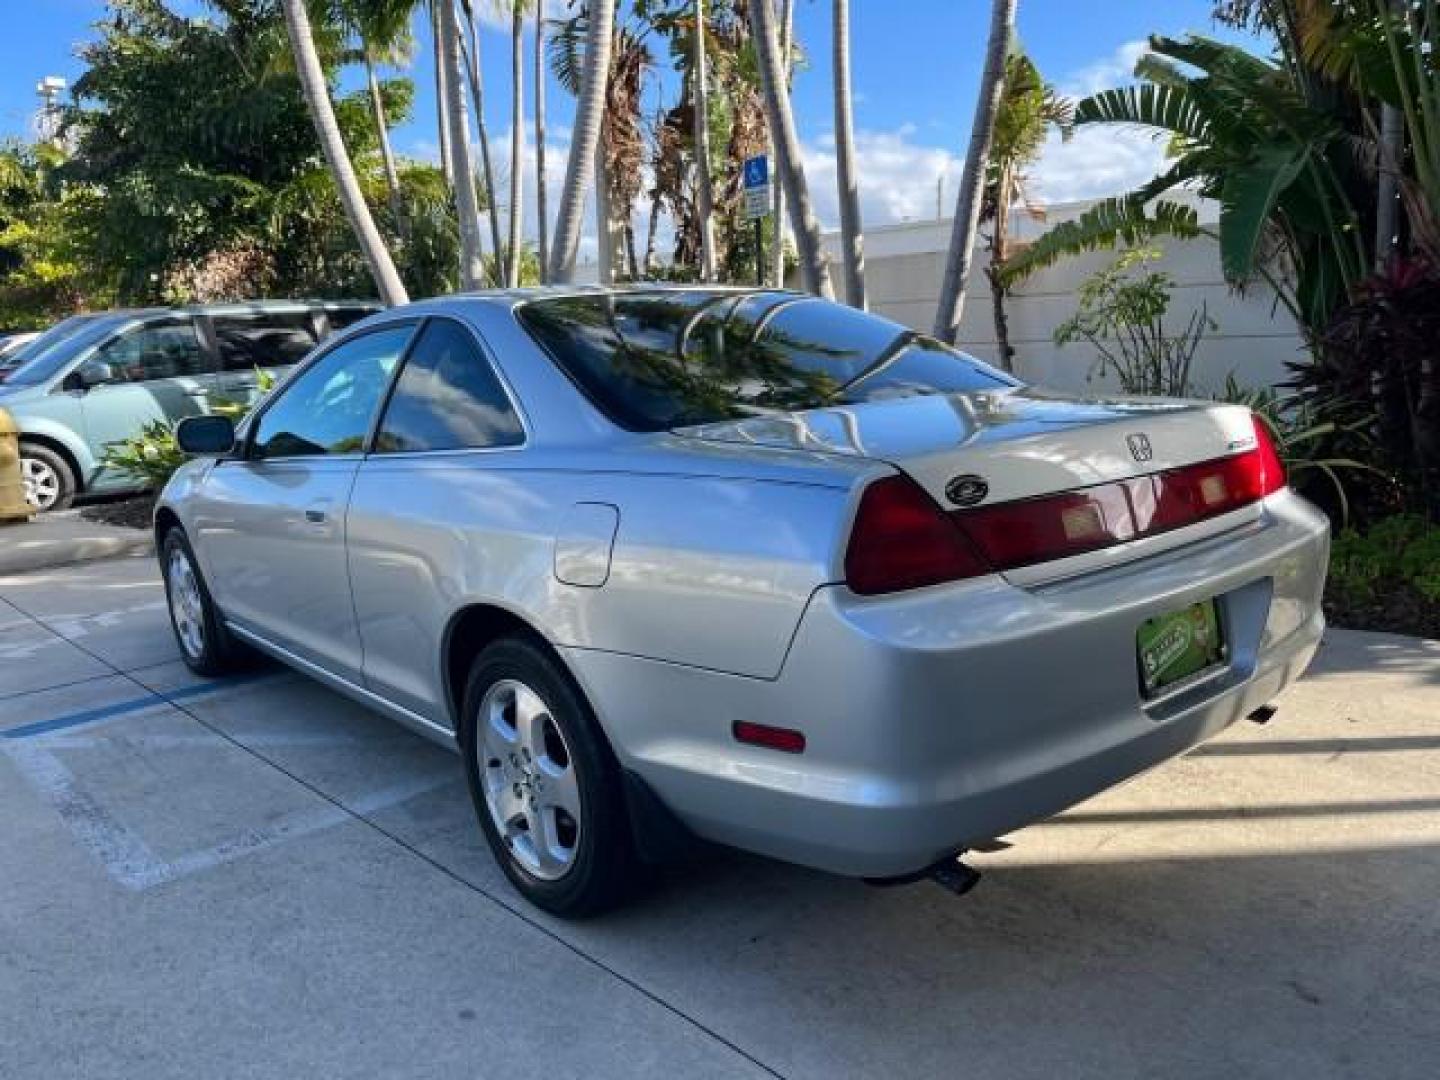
263,340
338,318
448,397
166,350
328,408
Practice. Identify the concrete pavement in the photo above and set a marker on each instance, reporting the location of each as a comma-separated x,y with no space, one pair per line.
64,538
256,877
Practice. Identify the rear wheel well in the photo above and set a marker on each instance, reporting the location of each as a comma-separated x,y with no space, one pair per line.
471,631
657,834
57,447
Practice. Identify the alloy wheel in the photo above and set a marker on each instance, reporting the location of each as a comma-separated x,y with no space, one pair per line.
528,775
186,604
41,483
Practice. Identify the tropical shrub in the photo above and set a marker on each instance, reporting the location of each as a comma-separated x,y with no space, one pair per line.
1271,144
1326,457
1123,315
152,456
1380,360
1388,576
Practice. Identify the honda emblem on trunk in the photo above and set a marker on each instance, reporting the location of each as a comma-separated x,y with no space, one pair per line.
1140,448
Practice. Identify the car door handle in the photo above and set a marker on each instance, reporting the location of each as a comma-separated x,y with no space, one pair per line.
315,517
196,393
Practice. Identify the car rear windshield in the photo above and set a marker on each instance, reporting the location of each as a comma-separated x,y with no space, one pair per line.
652,361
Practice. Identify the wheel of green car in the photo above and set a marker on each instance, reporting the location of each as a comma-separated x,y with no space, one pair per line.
47,478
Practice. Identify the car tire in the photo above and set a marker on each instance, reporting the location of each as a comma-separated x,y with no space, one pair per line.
539,766
48,479
207,648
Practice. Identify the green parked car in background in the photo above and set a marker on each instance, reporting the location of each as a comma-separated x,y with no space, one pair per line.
93,380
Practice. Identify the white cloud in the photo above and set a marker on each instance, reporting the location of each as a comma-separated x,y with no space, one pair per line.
1096,163
897,177
1117,69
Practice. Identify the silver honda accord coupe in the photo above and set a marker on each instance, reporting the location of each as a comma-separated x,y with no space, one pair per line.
744,565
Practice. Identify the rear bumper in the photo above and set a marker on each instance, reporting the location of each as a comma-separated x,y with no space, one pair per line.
946,716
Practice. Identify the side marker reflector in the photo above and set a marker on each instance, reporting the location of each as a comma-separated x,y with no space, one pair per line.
787,740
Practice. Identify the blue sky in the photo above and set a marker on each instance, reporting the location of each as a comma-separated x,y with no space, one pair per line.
915,68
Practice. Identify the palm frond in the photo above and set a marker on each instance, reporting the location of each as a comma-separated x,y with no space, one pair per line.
1106,225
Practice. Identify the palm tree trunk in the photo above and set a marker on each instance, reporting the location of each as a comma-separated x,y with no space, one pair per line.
442,94
477,97
813,271
387,153
610,217
1003,351
999,252
589,110
604,248
517,140
972,182
541,210
1392,149
472,260
700,102
851,240
317,98
787,51
648,266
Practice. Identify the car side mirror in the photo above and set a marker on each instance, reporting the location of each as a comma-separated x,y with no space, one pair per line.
89,375
210,436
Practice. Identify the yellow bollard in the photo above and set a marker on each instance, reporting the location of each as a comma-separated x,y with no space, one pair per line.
13,506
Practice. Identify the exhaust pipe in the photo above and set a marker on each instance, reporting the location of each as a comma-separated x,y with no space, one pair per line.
1262,715
949,873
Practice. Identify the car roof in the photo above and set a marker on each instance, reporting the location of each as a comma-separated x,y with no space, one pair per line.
639,288
240,307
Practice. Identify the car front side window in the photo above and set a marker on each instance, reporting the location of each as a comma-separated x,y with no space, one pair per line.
168,350
329,407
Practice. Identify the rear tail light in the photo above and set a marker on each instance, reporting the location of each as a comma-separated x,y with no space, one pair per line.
1051,527
1274,467
902,540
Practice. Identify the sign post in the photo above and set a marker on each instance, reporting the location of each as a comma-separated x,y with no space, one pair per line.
756,183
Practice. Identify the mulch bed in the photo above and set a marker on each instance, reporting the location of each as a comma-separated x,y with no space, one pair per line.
1399,609
132,513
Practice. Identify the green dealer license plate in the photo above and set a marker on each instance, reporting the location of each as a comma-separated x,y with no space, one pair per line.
1176,646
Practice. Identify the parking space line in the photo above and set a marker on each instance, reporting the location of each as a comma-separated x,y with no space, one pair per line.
124,856
120,708
129,860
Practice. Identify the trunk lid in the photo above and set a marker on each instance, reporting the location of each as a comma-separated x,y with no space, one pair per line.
984,449
1021,443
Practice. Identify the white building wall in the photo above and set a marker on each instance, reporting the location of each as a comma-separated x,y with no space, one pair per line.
905,264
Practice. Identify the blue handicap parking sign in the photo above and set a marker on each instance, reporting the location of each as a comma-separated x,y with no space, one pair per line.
757,171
